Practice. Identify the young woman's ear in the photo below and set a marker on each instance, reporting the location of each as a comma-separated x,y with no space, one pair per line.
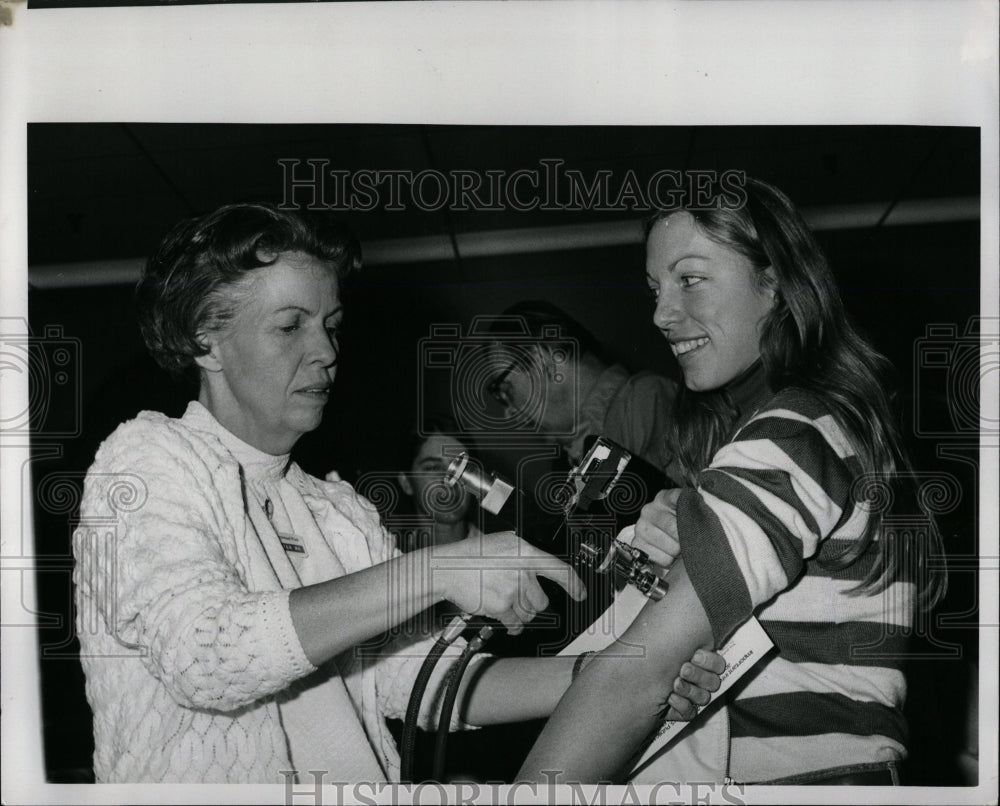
771,283
404,482
209,361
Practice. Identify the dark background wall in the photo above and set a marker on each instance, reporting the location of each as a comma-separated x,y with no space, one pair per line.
104,192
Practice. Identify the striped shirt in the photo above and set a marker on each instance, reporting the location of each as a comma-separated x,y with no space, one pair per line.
775,502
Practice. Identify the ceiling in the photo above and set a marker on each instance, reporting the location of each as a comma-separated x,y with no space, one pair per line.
106,192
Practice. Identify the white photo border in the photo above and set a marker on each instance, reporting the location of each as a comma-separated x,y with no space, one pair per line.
736,63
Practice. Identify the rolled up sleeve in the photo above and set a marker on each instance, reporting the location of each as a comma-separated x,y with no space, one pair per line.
762,508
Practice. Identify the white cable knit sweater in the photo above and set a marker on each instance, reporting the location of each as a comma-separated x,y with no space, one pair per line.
182,611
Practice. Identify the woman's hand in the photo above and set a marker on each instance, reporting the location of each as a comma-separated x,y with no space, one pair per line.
496,575
656,530
693,687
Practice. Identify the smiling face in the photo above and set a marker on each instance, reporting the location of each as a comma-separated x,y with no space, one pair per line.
269,371
709,304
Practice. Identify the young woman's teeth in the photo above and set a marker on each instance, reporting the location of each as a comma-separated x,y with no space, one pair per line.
682,347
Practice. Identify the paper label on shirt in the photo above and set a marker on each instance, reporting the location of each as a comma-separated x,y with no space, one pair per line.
292,544
744,648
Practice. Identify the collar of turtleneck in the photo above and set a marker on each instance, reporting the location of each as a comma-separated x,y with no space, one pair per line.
256,464
749,390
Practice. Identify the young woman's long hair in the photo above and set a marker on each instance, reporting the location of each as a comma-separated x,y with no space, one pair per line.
808,342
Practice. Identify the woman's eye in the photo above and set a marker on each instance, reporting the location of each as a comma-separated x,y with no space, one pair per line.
289,328
655,292
688,280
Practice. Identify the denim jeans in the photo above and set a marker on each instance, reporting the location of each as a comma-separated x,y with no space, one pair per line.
849,774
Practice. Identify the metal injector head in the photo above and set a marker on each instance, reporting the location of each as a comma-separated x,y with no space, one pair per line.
598,473
490,490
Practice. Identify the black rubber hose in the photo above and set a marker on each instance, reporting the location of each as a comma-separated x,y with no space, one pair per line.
451,694
408,742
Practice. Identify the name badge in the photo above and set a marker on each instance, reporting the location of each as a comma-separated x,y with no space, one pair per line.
293,544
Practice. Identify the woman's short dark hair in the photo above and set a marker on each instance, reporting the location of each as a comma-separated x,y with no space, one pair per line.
183,288
433,424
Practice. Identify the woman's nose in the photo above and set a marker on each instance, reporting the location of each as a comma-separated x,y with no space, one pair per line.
667,311
325,349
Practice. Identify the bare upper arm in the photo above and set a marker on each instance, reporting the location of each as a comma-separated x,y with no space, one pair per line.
663,636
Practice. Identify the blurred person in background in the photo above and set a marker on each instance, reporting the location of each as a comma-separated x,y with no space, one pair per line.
450,510
577,393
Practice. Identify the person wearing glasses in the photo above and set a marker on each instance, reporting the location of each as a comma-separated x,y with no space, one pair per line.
575,393
554,379
221,592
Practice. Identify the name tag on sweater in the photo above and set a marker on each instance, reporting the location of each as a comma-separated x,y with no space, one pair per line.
292,544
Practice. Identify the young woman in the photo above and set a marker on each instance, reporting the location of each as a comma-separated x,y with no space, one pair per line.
221,592
784,420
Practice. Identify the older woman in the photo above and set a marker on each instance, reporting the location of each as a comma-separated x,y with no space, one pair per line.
784,417
220,603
